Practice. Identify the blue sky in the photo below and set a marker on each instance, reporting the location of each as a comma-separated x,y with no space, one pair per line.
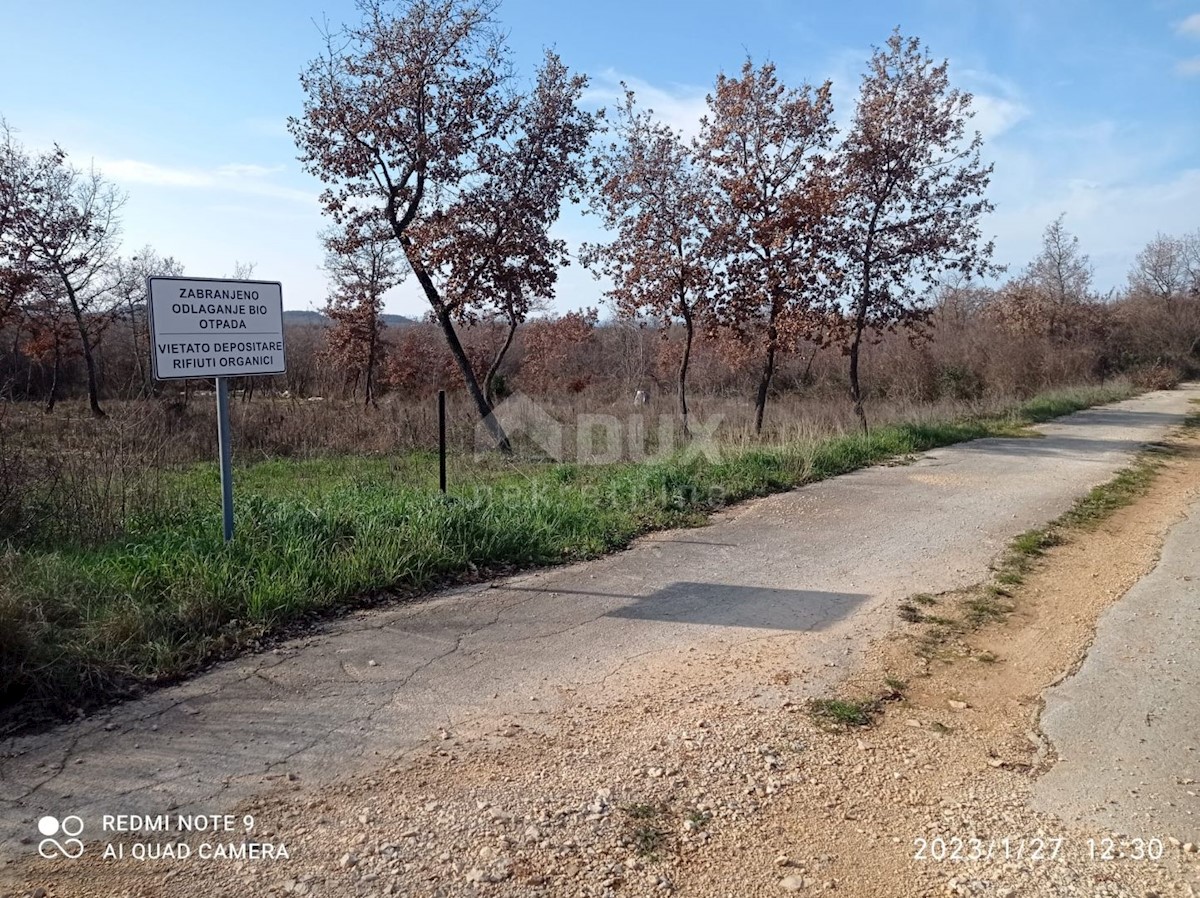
1088,108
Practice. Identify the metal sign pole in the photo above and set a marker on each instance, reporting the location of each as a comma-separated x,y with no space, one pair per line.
220,328
226,455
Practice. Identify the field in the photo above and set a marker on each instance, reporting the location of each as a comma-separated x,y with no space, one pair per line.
116,576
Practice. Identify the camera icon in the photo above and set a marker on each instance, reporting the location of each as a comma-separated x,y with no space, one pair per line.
70,847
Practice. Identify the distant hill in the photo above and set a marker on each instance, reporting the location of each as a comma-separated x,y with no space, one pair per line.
296,317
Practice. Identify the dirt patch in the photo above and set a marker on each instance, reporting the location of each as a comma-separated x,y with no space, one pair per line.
706,774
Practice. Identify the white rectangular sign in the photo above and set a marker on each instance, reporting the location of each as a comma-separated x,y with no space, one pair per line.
206,327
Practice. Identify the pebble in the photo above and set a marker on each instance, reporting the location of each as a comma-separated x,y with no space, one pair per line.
793,883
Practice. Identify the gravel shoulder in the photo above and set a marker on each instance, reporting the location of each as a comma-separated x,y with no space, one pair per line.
637,725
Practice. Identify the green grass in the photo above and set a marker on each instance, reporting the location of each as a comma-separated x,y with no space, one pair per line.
1100,503
838,712
82,625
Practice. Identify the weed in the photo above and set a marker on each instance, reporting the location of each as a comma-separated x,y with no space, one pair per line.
897,686
647,836
979,609
643,811
647,840
923,598
910,613
838,712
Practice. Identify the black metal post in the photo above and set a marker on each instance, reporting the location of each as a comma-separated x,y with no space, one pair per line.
442,440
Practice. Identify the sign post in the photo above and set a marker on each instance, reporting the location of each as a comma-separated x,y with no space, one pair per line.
208,327
226,452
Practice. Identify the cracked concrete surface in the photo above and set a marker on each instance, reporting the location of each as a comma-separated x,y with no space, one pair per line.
1125,724
823,566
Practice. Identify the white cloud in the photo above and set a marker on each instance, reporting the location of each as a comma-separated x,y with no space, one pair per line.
995,115
245,170
680,106
1190,25
132,171
1113,212
996,100
239,178
1188,67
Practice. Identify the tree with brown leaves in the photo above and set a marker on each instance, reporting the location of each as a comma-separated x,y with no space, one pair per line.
499,261
556,353
50,339
411,120
18,174
655,199
765,147
912,187
361,270
70,235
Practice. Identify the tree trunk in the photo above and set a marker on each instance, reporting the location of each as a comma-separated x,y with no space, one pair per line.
860,321
764,385
369,387
689,332
860,324
806,377
144,380
442,314
93,383
89,360
52,397
489,380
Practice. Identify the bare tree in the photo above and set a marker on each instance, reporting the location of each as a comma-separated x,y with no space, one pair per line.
129,292
1161,269
411,120
655,199
912,186
243,271
765,149
1061,270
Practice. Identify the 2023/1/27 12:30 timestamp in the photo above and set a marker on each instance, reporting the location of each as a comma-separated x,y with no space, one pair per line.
1033,849
1125,849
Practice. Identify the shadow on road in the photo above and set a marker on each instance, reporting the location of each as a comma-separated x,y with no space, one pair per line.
723,605
1061,442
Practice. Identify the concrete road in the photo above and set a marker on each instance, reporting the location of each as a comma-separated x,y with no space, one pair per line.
821,569
1127,724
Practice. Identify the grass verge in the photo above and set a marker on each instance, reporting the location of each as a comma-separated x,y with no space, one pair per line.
81,626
